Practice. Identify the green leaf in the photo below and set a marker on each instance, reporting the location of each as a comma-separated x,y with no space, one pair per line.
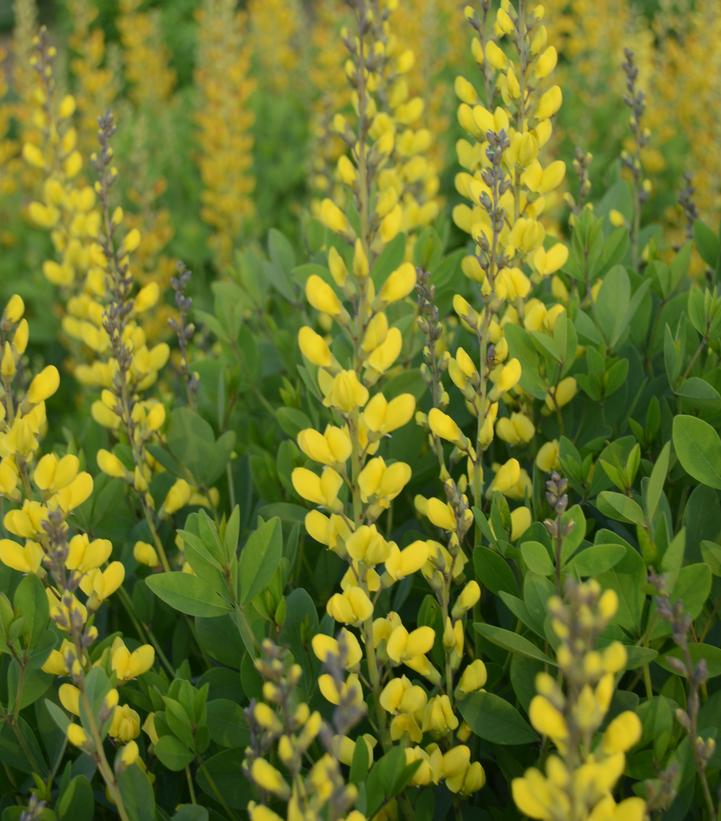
711,553
619,507
172,753
189,594
698,448
137,793
77,800
597,558
654,488
494,719
707,243
227,724
537,557
512,642
692,588
31,602
493,571
259,559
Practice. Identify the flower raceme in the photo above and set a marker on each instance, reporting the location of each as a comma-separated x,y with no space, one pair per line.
579,779
356,484
76,571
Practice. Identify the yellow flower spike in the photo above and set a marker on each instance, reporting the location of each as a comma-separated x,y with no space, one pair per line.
329,448
608,604
616,218
367,545
43,385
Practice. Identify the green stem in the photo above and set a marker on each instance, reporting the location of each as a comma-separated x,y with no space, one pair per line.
191,788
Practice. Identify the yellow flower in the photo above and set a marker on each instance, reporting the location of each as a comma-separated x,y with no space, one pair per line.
314,348
125,724
333,218
321,490
178,496
399,284
506,476
346,392
268,778
77,736
145,554
547,719
44,385
622,733
350,607
403,645
321,296
110,464
473,678
402,563
128,665
548,456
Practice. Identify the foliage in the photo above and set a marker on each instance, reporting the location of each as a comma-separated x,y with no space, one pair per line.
405,502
